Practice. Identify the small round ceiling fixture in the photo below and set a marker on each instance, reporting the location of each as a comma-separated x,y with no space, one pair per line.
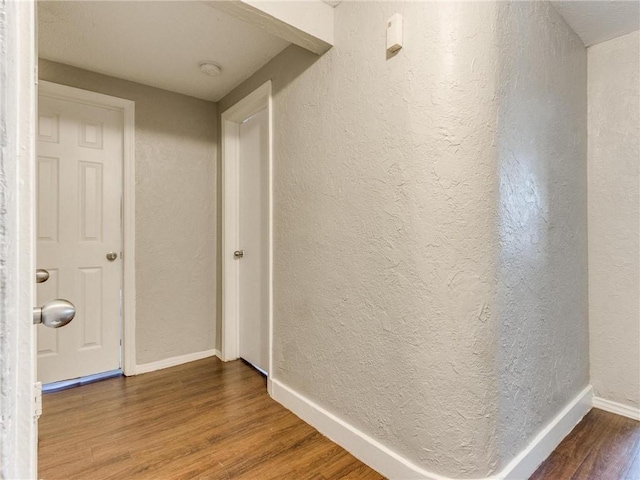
210,68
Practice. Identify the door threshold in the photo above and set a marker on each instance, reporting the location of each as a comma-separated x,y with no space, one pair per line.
77,382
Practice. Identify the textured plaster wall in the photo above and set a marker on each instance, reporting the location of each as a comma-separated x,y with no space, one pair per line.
175,213
430,227
541,140
614,214
384,221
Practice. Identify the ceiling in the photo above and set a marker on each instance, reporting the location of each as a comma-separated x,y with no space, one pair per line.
155,43
598,21
162,43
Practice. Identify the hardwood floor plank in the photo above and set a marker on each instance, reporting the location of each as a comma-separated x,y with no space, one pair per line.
633,472
613,451
603,446
202,420
214,420
557,466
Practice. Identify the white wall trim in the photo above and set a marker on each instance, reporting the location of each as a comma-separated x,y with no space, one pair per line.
394,466
617,408
308,24
174,361
129,242
127,107
526,463
231,119
18,60
356,442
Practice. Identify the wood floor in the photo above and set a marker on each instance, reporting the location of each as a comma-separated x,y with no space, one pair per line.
603,446
202,420
209,420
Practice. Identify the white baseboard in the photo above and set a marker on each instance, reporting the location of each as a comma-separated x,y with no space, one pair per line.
396,467
359,444
527,461
617,408
174,361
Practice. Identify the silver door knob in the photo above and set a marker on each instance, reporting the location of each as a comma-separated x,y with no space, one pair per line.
41,275
238,254
54,314
111,256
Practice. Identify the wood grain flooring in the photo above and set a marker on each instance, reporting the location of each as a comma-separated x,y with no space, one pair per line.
201,420
603,446
214,420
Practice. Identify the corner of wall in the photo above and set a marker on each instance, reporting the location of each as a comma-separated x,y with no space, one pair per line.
397,467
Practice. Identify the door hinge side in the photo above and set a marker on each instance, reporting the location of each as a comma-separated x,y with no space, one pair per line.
37,397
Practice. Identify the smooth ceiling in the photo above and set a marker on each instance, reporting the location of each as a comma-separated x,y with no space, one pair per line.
155,43
599,21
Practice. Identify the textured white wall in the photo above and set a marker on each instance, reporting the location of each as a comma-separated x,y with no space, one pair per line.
175,213
430,225
614,214
383,222
541,140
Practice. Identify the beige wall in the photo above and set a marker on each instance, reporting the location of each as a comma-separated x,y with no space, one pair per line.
614,215
430,227
175,213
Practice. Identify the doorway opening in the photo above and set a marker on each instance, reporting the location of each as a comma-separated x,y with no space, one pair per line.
247,231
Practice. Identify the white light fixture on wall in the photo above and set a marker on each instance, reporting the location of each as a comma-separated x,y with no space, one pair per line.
210,68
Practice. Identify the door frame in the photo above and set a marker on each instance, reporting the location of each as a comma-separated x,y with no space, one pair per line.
19,445
127,108
231,119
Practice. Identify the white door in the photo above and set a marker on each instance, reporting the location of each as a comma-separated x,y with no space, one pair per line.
253,235
78,221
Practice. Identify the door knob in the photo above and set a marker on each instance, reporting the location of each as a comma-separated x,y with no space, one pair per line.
54,314
41,275
111,256
238,254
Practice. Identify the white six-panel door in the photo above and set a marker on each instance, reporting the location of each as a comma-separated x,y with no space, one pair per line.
253,235
78,221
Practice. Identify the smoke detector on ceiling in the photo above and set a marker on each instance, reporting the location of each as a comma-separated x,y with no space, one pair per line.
210,68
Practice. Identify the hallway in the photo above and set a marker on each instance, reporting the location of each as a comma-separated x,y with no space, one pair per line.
214,420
